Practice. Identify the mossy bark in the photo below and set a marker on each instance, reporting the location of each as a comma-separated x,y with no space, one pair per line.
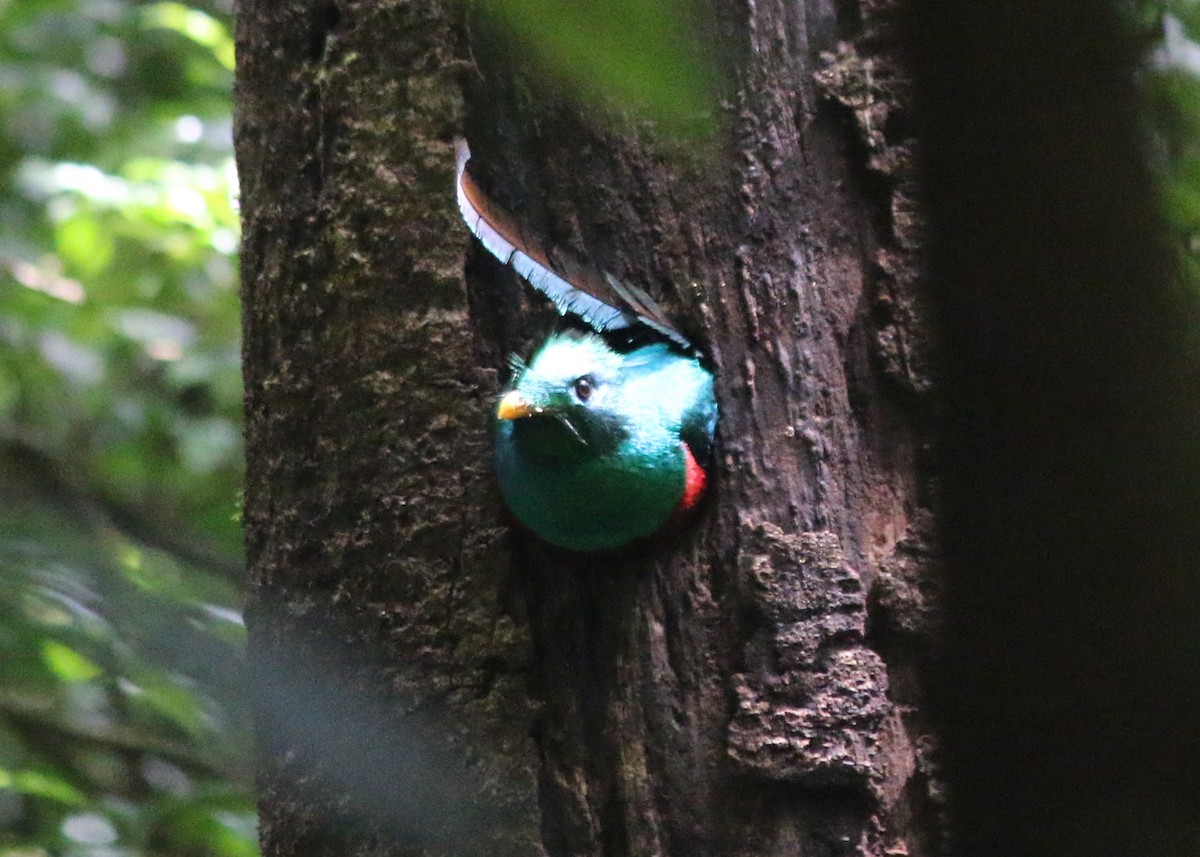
394,717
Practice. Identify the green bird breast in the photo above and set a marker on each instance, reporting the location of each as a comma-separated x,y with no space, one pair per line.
590,503
590,448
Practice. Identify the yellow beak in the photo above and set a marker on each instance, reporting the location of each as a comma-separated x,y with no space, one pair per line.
513,406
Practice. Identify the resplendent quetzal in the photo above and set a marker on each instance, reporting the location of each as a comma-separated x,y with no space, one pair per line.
596,446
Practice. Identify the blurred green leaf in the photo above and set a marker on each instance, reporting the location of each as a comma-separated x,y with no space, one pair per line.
83,245
647,58
66,663
41,784
197,26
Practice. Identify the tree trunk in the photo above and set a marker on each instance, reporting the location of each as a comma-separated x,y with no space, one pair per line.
433,683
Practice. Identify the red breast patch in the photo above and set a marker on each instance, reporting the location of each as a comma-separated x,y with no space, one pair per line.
694,481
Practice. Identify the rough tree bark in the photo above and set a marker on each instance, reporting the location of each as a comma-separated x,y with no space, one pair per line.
433,683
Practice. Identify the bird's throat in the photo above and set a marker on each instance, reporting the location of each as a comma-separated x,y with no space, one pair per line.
561,436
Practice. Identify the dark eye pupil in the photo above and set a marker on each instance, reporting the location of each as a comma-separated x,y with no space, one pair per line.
583,388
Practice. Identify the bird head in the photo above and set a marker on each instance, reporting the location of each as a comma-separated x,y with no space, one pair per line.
569,397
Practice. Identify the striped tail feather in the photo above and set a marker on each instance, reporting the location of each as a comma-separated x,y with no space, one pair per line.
603,303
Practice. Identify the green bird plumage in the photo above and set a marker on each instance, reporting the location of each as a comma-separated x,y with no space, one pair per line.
595,448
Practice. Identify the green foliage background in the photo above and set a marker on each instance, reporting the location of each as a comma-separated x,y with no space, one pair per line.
123,718
1173,97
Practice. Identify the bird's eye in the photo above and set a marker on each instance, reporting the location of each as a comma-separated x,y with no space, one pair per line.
583,386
